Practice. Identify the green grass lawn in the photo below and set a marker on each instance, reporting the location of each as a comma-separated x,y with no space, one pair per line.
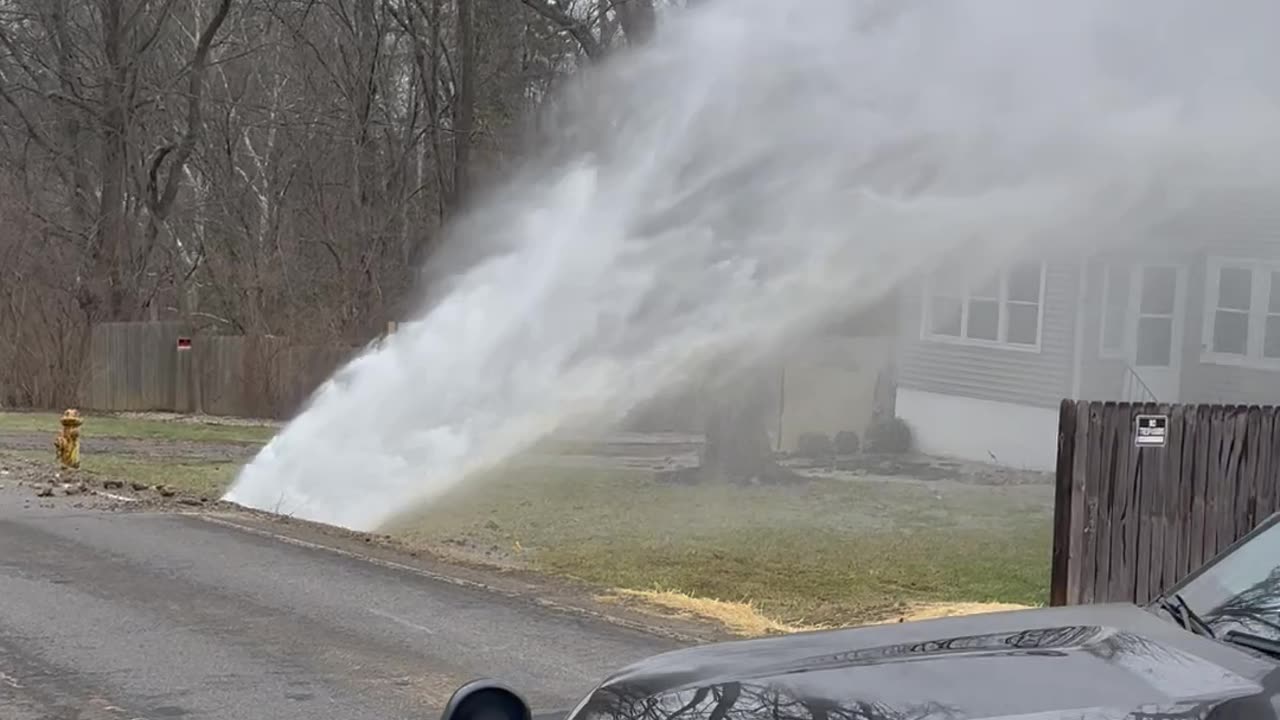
119,427
826,552
204,478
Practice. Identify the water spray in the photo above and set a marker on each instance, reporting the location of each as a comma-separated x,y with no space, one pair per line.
763,165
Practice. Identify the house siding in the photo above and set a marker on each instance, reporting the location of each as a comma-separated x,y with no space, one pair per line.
1223,384
1039,379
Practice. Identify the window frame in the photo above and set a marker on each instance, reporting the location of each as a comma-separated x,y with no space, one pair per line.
1259,301
1123,352
1002,332
1135,271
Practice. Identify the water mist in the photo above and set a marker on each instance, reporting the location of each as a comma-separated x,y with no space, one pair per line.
758,167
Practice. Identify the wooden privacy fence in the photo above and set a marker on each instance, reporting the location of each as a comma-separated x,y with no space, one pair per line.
257,375
139,367
1131,520
131,366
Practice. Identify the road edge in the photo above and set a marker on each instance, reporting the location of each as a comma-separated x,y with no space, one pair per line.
548,594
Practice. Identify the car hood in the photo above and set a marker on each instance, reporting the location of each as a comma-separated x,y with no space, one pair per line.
1100,661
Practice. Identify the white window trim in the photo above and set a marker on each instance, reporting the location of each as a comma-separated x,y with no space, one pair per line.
1128,349
926,321
1258,302
1122,352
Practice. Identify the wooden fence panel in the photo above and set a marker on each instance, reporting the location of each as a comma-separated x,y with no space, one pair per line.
300,369
131,366
1269,493
1185,419
1202,512
137,367
1130,521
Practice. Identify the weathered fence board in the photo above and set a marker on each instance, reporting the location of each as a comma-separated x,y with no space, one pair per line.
132,366
1130,520
138,367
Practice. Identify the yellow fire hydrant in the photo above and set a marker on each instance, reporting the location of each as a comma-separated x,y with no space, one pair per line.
67,442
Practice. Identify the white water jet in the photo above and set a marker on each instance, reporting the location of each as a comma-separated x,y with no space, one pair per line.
763,165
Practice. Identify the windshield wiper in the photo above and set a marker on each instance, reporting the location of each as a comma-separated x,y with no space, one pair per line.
1264,645
1185,616
1195,619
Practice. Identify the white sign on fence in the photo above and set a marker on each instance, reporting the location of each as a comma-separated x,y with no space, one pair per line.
1151,430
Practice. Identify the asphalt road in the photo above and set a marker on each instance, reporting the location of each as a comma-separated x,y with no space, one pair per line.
155,615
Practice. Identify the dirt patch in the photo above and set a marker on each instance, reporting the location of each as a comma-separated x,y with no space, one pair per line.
202,419
55,486
18,472
922,468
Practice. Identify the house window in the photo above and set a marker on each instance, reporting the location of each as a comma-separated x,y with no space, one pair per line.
1004,310
1271,328
1242,312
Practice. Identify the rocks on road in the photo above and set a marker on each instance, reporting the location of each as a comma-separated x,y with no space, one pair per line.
47,482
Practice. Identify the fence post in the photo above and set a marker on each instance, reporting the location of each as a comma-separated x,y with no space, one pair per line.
182,399
1062,502
197,384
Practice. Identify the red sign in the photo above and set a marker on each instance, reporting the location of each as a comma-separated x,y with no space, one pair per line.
184,343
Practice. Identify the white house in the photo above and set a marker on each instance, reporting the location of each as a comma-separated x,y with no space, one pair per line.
1192,315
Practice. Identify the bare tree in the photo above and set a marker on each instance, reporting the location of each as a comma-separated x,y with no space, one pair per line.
257,166
595,25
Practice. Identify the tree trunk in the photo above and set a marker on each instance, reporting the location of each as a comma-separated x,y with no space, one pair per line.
111,246
638,19
737,441
736,448
464,107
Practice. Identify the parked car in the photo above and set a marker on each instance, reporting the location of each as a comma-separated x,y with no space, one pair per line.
1208,648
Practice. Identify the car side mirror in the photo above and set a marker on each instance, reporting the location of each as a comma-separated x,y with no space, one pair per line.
486,700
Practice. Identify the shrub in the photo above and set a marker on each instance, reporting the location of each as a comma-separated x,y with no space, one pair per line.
847,443
892,436
814,446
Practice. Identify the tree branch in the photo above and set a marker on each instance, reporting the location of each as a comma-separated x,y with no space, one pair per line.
638,20
576,29
163,202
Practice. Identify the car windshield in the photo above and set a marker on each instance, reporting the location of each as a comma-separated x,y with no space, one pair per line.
1241,589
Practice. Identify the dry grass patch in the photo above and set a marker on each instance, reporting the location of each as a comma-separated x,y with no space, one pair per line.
741,618
932,611
745,619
